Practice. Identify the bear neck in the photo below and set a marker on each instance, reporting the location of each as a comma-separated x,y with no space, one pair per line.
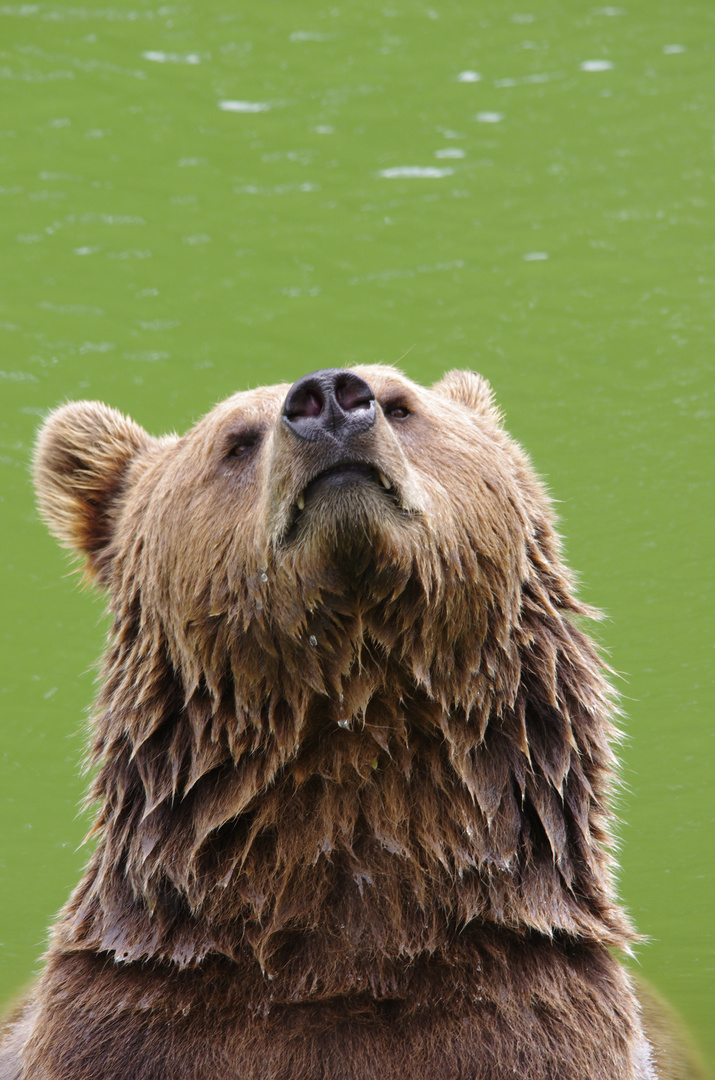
373,798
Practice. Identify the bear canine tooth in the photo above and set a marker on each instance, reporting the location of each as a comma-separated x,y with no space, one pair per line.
300,502
384,481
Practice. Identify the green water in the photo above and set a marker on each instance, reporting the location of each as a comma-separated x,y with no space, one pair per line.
160,251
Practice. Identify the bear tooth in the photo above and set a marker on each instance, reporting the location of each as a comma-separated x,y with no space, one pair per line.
384,481
301,501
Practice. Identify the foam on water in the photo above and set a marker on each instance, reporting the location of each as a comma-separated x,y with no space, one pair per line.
535,256
489,117
449,152
469,76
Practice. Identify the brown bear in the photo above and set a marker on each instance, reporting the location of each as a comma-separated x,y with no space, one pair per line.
352,750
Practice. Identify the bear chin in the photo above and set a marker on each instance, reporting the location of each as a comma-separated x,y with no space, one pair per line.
347,506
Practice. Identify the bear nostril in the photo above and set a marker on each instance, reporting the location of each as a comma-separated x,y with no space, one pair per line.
353,393
302,402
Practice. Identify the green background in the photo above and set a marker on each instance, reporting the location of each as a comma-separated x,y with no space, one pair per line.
160,251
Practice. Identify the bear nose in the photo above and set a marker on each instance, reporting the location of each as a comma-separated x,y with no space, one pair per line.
331,403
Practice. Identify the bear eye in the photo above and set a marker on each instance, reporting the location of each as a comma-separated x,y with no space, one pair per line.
396,411
241,444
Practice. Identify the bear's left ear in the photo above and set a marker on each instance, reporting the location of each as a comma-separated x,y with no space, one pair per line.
82,459
468,388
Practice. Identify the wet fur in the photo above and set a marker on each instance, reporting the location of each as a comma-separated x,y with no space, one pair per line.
352,766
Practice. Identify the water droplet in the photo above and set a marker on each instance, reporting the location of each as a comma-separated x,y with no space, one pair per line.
264,576
313,639
344,723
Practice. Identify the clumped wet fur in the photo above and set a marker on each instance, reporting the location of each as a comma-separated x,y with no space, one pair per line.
352,758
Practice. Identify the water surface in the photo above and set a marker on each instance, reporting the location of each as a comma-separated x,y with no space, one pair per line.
196,199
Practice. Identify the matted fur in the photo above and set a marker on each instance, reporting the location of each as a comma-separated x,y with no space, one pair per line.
353,764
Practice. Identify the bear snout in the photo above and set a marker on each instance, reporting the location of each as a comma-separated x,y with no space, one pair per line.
329,405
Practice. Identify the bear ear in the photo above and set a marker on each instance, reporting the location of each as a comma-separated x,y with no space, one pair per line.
83,455
468,388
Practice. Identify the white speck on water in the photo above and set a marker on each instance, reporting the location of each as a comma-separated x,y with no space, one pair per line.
96,347
427,171
279,189
86,250
309,35
325,129
674,49
535,256
313,639
264,577
449,152
489,117
159,57
537,77
596,65
18,376
244,106
469,76
608,11
523,18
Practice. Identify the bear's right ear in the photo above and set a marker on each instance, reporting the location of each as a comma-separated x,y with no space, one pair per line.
468,388
83,454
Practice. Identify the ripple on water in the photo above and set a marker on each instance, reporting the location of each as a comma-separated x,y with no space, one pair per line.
596,65
159,57
430,172
244,106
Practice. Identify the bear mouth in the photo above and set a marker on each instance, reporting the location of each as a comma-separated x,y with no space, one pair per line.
345,473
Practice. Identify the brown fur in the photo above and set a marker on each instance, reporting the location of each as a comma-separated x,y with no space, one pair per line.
353,766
